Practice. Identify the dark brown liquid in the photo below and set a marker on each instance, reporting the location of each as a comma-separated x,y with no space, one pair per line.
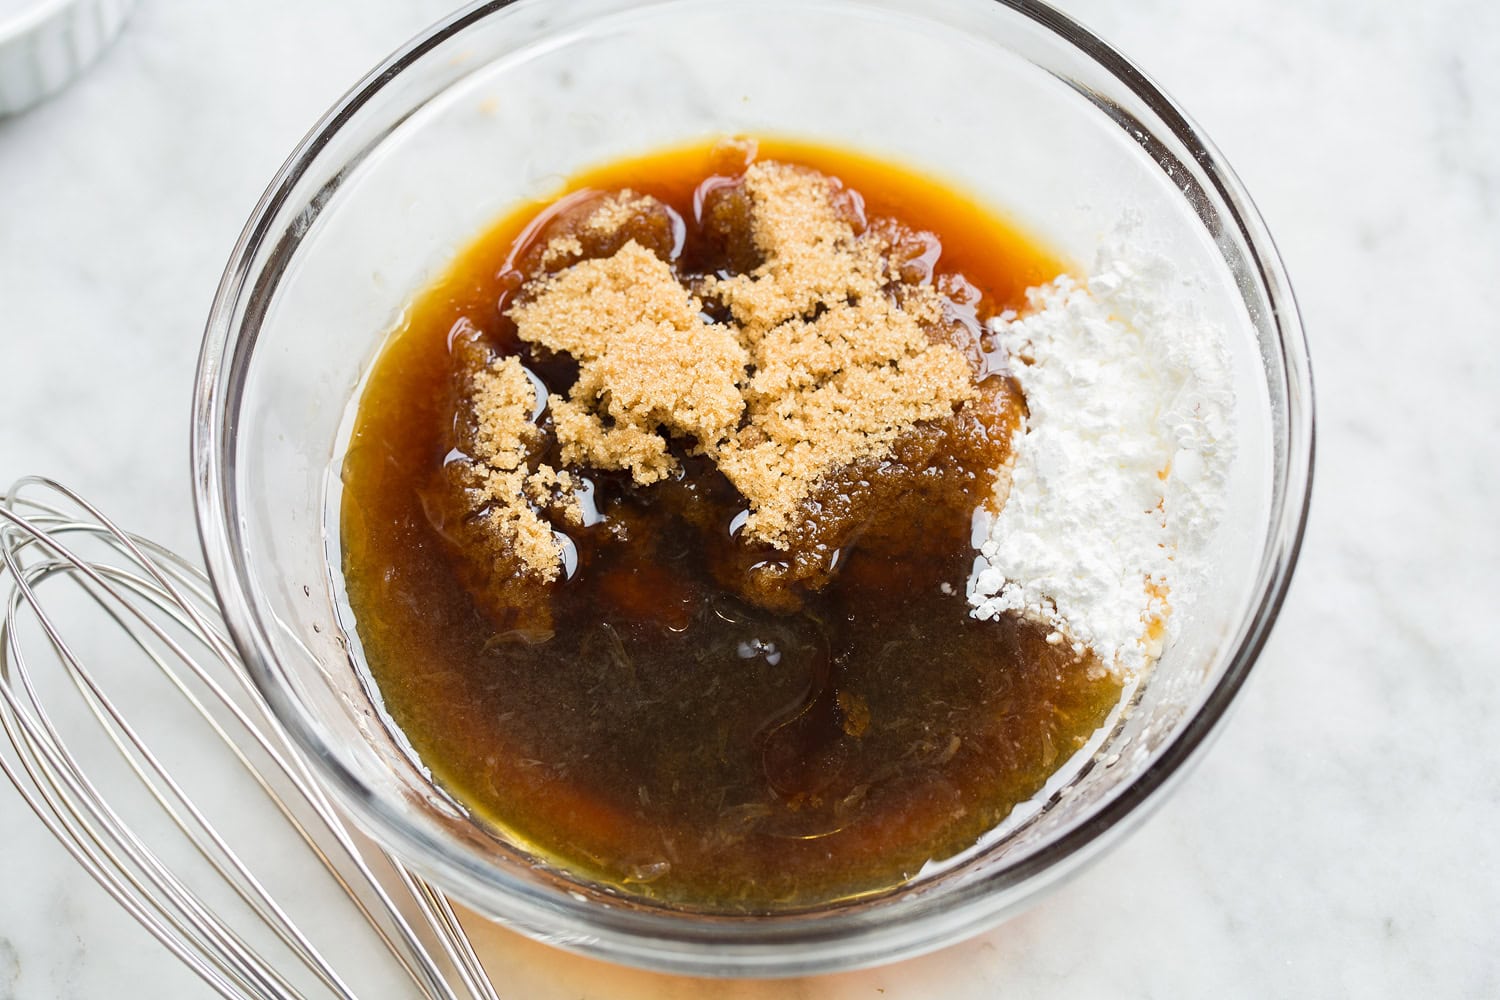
675,734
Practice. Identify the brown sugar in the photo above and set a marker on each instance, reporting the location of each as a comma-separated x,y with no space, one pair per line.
835,388
646,361
616,211
817,367
595,225
810,259
503,403
838,387
829,392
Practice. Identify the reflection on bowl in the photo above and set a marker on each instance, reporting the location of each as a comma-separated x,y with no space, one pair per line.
503,101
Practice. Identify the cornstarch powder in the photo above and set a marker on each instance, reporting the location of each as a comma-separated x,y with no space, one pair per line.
1123,459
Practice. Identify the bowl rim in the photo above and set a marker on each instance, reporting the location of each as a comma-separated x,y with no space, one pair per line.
760,945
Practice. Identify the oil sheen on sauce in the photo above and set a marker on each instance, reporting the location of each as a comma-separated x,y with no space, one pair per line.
670,739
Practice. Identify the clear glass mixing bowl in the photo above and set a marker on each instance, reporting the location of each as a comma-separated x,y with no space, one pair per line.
1009,100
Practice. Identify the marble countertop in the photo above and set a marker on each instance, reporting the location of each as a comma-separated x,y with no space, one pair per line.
1338,840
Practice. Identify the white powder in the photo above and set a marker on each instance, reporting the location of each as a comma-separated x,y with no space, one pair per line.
1123,459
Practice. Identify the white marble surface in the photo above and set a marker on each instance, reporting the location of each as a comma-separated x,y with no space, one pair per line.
1339,840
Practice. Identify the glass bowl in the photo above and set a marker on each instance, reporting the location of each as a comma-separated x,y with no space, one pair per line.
1009,101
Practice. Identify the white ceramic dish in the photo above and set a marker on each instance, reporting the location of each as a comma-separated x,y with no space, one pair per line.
46,44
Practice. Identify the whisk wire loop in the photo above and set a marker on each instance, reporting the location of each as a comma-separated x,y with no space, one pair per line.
162,607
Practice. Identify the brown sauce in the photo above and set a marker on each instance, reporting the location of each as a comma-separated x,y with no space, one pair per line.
684,723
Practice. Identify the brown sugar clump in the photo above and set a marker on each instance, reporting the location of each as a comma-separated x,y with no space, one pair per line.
499,482
648,362
810,257
503,399
831,391
830,365
590,225
553,491
515,523
616,212
840,370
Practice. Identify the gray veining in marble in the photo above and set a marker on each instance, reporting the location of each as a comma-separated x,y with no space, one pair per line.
1339,840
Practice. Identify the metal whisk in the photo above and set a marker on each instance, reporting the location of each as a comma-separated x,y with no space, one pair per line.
97,745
